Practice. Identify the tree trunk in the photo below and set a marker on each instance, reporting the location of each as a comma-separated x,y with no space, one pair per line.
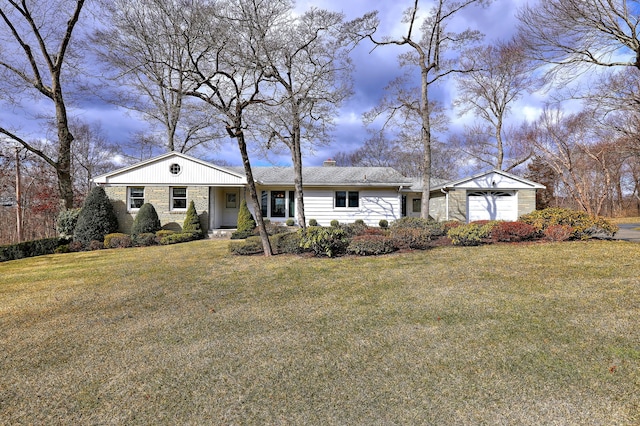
426,145
65,139
296,157
266,245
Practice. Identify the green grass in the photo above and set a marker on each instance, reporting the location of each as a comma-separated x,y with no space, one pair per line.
187,334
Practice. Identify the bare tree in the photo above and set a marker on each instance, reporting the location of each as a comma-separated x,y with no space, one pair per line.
135,42
306,58
498,77
220,44
93,154
572,34
434,54
35,42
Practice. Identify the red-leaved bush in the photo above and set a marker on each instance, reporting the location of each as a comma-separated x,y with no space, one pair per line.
558,232
513,232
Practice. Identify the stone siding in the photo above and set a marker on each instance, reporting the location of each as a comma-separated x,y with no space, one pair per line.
458,205
160,197
526,201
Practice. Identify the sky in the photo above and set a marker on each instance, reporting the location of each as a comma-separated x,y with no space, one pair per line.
374,69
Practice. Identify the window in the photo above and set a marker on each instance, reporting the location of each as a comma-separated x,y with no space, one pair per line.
263,203
178,198
278,204
174,169
347,199
231,202
417,205
292,203
136,197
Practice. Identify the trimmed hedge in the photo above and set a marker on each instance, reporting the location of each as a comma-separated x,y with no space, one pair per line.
31,248
513,232
471,234
178,237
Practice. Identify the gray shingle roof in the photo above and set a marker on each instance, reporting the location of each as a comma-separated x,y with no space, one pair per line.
329,176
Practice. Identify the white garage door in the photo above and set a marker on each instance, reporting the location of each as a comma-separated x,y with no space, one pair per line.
492,205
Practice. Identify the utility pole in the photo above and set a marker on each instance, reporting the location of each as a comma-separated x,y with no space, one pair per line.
18,198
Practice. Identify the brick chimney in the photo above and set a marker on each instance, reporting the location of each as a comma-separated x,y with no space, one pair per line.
329,163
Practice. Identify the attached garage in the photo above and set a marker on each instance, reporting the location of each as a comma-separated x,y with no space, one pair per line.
492,205
492,195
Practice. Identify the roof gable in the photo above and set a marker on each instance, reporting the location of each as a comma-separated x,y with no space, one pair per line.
172,168
492,179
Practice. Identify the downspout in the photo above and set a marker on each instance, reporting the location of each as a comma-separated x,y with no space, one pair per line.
446,203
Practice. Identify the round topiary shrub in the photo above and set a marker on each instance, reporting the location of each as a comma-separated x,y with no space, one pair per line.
335,223
192,222
146,220
313,222
384,224
96,218
290,222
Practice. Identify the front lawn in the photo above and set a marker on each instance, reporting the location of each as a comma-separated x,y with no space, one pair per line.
187,334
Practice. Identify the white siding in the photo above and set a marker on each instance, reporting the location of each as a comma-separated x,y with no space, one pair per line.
375,204
158,173
493,180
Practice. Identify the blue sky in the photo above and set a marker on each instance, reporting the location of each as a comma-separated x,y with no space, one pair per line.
374,70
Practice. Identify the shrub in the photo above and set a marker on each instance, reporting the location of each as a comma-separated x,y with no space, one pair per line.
471,234
335,223
31,248
290,222
584,225
411,238
272,228
288,242
353,229
246,223
66,222
371,245
146,220
323,241
384,224
436,229
192,222
95,245
359,222
558,232
96,219
117,240
146,239
164,232
513,232
249,246
313,222
178,237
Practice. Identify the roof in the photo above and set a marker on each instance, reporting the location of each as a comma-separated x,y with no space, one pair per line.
489,179
330,176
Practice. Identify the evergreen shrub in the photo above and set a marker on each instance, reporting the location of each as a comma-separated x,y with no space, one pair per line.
471,234
96,218
246,223
323,241
146,220
31,248
146,239
117,240
313,222
583,224
371,245
290,222
250,246
192,222
178,237
335,223
558,233
384,224
288,242
66,222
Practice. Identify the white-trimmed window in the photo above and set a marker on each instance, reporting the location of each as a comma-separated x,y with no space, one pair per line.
347,199
135,197
178,198
416,205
